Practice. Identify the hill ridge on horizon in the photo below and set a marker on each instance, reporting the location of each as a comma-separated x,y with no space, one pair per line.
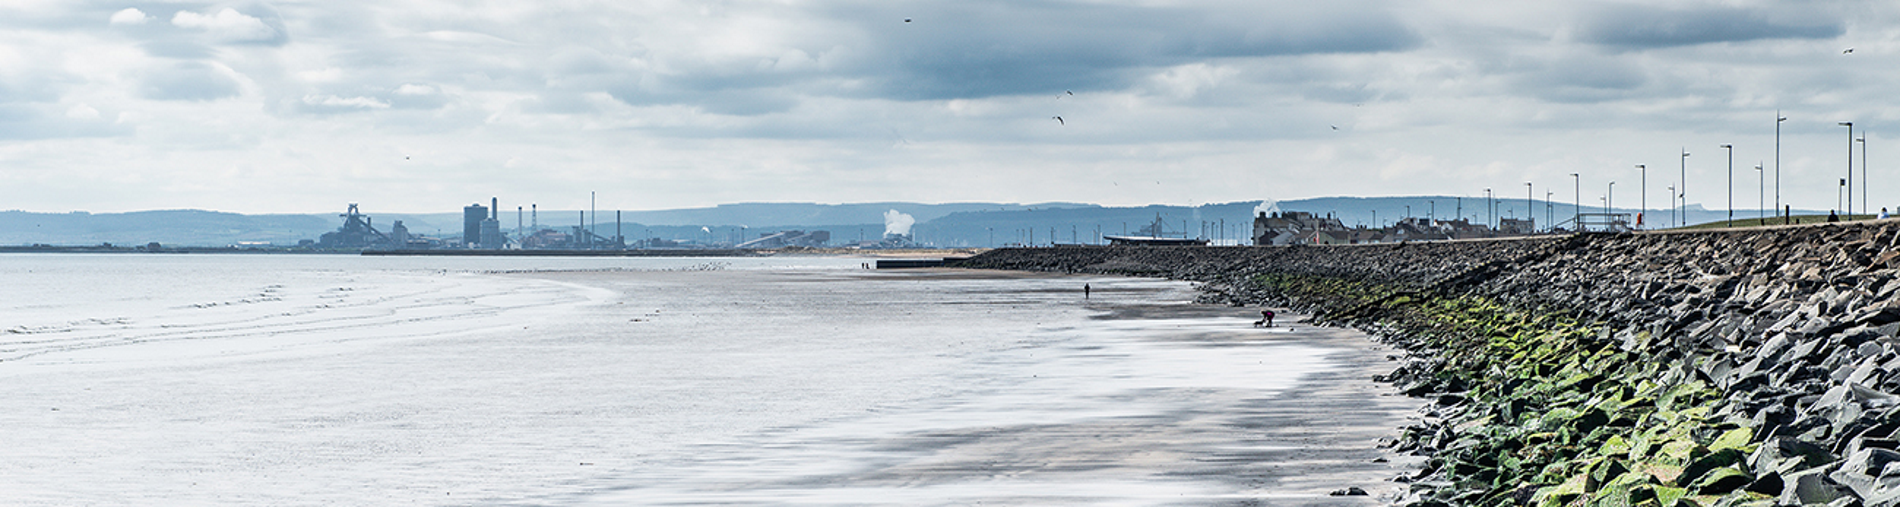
949,224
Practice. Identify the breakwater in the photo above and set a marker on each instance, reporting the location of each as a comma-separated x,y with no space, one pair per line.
1731,367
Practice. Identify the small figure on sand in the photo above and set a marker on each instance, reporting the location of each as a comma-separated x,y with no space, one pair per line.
1831,217
1085,291
1266,319
1883,213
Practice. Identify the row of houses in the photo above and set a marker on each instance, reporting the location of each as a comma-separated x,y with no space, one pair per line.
1304,228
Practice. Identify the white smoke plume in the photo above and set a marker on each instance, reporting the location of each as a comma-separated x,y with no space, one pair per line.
897,223
1268,206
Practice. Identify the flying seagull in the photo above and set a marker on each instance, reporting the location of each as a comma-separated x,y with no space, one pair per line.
1059,120
1847,51
906,20
1335,127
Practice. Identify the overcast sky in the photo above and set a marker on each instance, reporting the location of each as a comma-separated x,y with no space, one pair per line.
426,106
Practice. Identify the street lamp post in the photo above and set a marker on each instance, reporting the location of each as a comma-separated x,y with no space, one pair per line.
1778,119
1682,186
1490,210
1550,212
1642,203
1760,182
1672,204
1576,203
1731,182
1529,213
1849,182
1863,173
1609,200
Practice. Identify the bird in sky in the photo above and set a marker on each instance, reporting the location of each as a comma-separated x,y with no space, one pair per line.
1335,127
1847,51
1059,120
906,20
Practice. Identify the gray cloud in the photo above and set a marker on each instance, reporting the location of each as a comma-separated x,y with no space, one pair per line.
24,122
827,101
1632,26
195,81
993,48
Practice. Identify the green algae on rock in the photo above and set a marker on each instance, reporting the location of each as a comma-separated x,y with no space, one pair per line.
1733,367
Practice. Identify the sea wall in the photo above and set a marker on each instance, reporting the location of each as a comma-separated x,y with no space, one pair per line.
1733,367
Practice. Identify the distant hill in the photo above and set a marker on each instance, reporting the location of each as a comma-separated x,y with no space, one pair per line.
952,225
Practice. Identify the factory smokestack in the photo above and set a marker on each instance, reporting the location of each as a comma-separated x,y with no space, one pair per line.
494,208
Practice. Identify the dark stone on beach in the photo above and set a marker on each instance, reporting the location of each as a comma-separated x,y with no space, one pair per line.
1351,491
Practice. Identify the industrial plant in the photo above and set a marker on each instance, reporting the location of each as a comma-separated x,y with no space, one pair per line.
482,230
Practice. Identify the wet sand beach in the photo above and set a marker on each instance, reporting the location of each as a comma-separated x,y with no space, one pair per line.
1147,401
296,381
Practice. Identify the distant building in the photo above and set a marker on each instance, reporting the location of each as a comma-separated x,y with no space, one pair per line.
355,233
548,239
492,238
399,235
472,217
1517,227
1293,227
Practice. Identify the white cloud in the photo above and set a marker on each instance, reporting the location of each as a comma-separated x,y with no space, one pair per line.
82,111
130,16
227,25
772,100
345,102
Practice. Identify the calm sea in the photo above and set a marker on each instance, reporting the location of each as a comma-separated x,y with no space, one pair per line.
335,380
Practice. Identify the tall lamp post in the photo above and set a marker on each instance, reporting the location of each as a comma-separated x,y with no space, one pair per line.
1778,119
1490,210
1863,173
1550,212
1576,203
1682,186
1849,182
1609,200
1731,182
1760,182
1642,203
1672,205
1528,213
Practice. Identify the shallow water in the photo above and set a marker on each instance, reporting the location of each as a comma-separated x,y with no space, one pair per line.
310,380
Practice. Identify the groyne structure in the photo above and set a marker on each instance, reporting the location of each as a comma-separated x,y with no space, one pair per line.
1731,367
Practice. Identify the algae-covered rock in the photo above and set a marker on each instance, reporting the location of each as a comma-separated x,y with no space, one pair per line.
1732,366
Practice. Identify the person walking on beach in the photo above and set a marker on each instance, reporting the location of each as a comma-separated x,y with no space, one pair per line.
1266,319
1085,291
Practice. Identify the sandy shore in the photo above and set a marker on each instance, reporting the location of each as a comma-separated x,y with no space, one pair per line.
1161,404
276,380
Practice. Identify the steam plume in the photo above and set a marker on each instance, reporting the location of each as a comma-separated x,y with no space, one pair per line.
897,223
